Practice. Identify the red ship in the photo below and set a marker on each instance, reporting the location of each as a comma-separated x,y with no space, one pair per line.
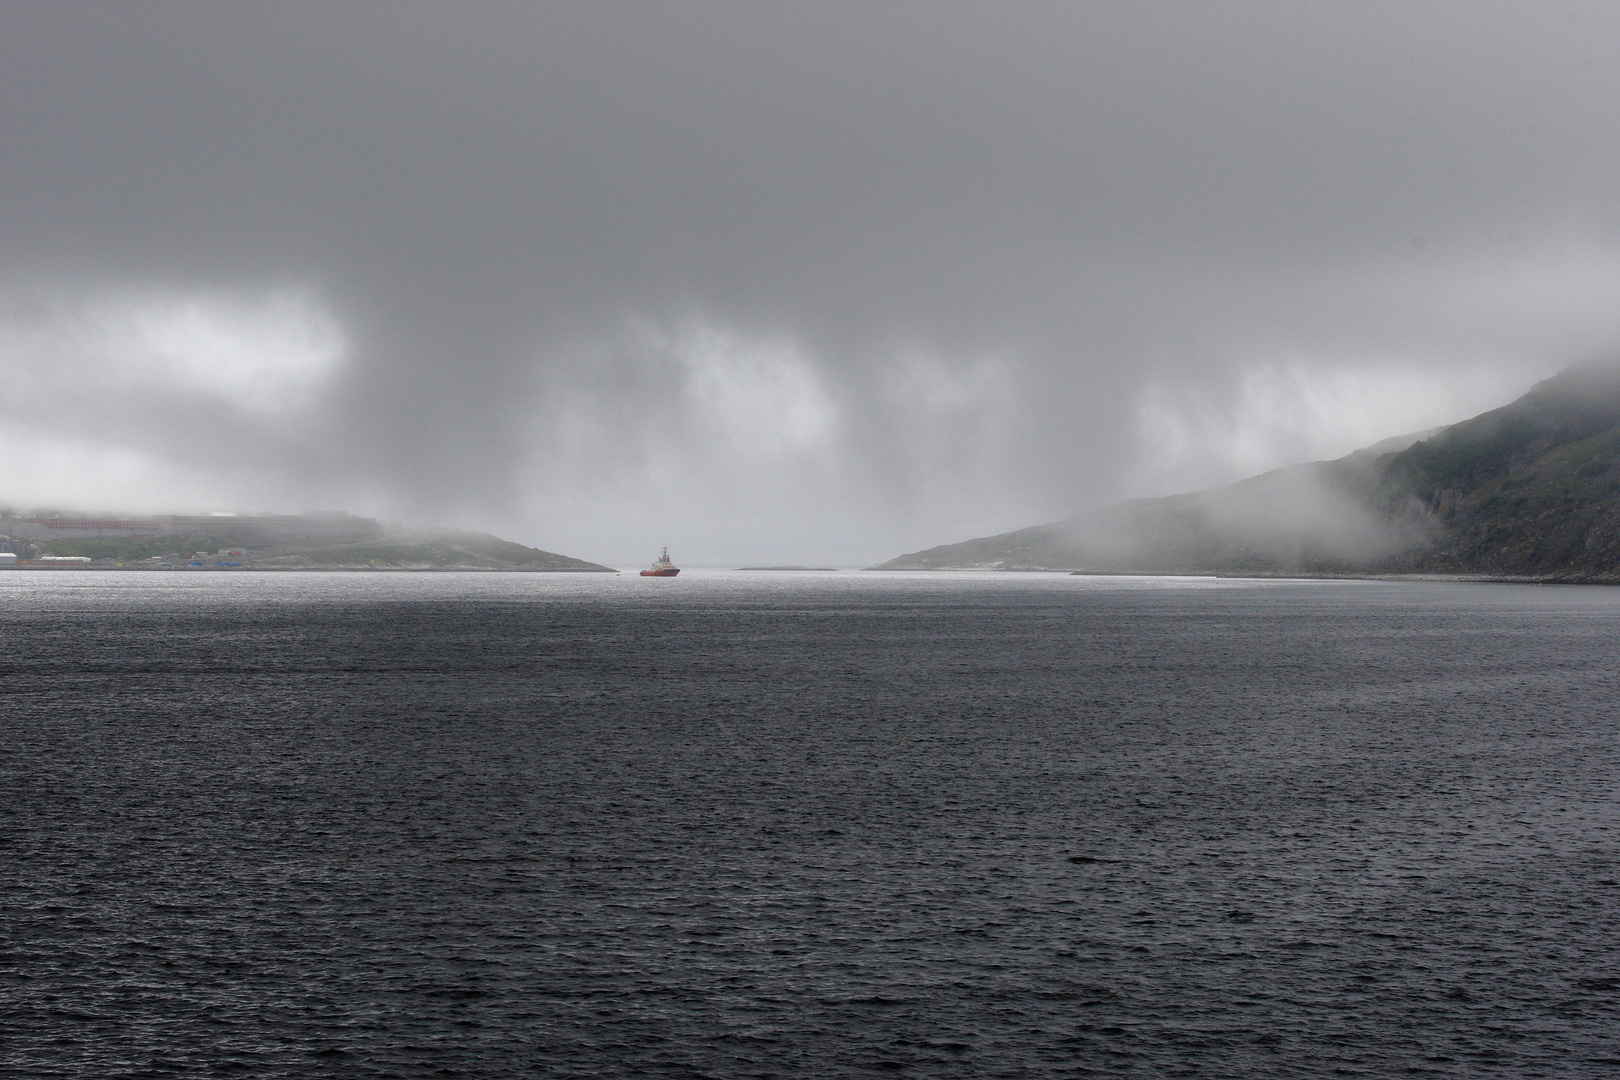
663,567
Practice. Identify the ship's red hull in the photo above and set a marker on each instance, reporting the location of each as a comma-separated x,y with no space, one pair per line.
660,573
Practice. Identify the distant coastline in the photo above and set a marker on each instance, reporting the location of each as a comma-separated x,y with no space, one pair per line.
335,541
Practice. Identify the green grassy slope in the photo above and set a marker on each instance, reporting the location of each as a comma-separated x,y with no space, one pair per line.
435,550
413,550
1532,489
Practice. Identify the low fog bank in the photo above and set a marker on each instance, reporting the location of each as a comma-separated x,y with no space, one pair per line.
1314,517
733,446
1529,490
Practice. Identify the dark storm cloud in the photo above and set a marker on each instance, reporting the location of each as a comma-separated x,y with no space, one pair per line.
783,279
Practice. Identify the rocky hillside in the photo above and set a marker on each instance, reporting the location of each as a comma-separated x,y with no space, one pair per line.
1530,490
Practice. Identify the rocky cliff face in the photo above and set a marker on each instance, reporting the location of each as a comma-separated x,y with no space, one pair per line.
1529,490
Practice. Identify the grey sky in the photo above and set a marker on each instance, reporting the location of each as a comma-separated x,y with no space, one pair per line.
816,281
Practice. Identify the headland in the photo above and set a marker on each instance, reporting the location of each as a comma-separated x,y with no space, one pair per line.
310,541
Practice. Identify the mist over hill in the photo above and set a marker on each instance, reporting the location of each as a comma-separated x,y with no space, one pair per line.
1530,490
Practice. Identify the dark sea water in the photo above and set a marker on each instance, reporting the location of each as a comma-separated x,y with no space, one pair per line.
813,825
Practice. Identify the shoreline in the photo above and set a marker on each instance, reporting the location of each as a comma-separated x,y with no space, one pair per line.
309,569
1259,575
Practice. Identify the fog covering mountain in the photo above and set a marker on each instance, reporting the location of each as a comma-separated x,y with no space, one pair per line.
1528,490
